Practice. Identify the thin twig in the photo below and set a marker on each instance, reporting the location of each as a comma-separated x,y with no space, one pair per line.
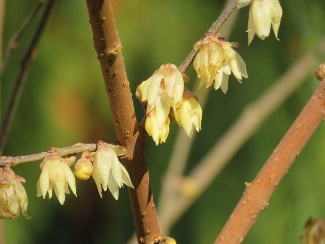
245,126
214,29
182,145
13,43
64,151
256,196
130,134
20,80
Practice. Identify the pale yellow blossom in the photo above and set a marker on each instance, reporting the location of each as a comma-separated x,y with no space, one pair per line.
56,175
13,196
262,14
161,92
216,60
157,125
108,172
189,114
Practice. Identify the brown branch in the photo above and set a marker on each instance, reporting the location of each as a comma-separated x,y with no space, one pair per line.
20,80
129,134
214,29
13,43
245,126
256,196
64,151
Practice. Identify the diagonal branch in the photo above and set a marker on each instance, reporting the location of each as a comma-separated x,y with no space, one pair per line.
256,196
250,119
20,80
214,29
64,151
129,133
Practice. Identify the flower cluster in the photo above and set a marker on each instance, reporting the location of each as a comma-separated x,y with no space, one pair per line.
108,172
56,174
215,61
13,196
262,14
163,94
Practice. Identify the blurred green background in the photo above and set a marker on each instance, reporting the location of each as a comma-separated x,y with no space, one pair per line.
64,102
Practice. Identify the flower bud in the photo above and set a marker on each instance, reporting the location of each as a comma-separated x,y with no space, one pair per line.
83,168
320,72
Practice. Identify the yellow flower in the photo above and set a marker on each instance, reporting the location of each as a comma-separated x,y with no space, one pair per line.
157,125
166,86
216,59
13,196
189,114
55,174
262,14
108,172
161,92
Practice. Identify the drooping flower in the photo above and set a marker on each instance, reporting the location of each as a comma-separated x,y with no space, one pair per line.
55,174
13,196
108,172
262,14
215,61
157,126
83,169
189,114
161,92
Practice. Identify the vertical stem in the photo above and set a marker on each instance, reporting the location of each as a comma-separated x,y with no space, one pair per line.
129,134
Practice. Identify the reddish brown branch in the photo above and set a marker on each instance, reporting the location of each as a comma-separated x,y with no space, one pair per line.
129,134
256,196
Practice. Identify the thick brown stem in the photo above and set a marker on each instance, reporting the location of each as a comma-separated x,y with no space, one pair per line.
129,134
256,196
